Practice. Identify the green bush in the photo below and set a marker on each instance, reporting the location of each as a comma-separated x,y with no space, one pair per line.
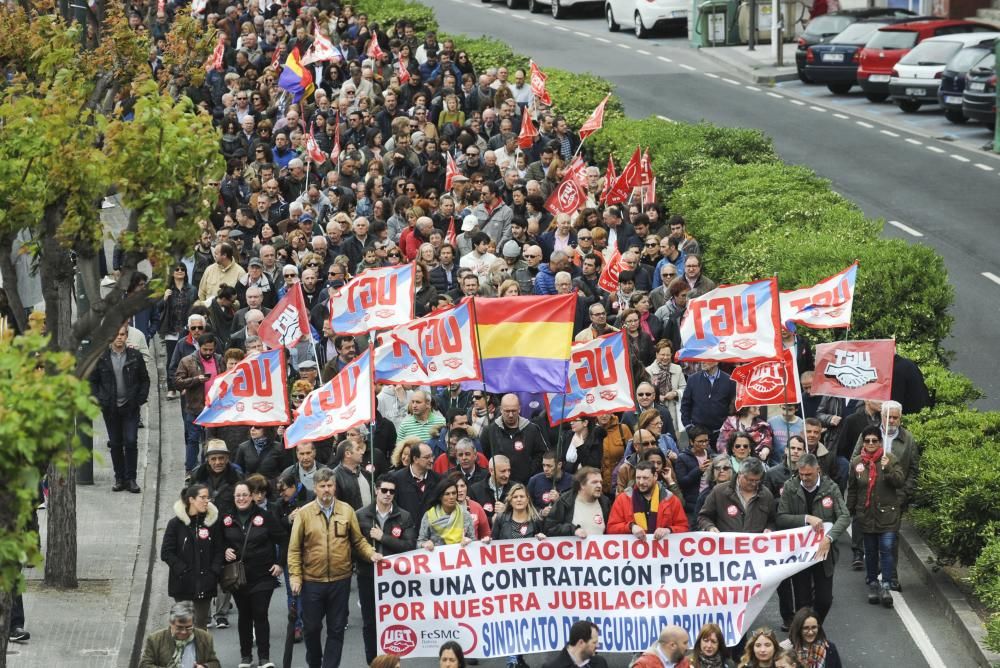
947,387
993,633
485,52
576,95
386,12
985,574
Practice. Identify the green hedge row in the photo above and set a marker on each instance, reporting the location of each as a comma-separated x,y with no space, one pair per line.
386,12
757,216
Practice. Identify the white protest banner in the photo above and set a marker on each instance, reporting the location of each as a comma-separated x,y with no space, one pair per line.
522,596
826,305
444,344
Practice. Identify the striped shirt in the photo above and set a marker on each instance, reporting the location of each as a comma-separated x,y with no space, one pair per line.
410,426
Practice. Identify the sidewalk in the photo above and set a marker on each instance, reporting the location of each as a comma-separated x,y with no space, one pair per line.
757,65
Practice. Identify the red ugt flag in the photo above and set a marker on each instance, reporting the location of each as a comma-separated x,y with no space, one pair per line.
855,369
767,382
567,198
595,121
450,172
630,178
288,322
526,138
609,178
313,150
538,79
608,280
375,51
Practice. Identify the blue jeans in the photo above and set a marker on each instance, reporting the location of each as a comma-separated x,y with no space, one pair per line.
327,600
122,423
295,601
193,435
878,552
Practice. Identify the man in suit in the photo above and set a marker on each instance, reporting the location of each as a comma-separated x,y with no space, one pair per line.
620,233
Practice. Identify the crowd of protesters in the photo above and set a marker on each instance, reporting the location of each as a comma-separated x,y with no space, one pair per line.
449,465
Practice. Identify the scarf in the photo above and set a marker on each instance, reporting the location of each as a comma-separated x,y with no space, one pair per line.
661,381
814,655
179,647
872,460
451,528
710,661
644,324
645,511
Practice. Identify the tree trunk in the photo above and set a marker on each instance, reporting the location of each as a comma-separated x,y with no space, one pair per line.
57,288
6,600
8,276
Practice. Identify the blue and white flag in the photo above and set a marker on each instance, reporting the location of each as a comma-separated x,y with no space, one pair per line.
733,323
600,381
375,299
345,402
251,393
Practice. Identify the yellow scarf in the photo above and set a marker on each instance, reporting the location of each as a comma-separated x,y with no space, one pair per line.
643,510
451,528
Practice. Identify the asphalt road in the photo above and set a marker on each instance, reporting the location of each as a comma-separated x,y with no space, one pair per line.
894,165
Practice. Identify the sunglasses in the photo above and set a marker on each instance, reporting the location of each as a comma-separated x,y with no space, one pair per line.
387,490
872,440
643,394
723,468
396,255
741,447
194,327
647,442
669,275
312,264
298,396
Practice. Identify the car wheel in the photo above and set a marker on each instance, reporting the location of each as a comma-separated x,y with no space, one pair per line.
908,106
955,116
840,88
876,97
612,26
513,4
534,7
640,30
803,78
558,11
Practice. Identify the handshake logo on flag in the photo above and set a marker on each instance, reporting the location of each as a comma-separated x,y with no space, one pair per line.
852,369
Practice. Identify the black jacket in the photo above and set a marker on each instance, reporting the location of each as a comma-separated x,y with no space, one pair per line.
220,487
484,495
105,389
409,496
267,463
194,549
399,534
266,543
560,519
282,509
349,485
524,446
564,661
705,403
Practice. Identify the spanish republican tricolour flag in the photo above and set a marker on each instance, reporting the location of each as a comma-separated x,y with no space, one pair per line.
295,78
525,342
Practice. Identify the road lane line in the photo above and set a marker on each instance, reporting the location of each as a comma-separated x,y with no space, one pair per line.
537,22
960,158
798,103
906,228
624,46
865,125
989,275
780,97
889,133
842,116
668,60
601,39
713,76
563,28
520,16
732,81
917,632
819,109
643,52
581,34
915,142
688,67
753,88
985,168
935,149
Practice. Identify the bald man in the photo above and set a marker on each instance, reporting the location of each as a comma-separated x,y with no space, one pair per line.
668,650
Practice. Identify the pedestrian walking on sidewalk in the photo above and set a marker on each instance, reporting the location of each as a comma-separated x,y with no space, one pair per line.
193,549
120,383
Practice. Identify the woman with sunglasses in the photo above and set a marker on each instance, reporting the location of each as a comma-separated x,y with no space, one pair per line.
720,472
873,498
747,420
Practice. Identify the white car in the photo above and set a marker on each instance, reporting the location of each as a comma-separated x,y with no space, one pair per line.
644,16
559,8
917,76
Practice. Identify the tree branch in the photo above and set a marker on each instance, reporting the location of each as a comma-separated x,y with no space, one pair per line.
8,276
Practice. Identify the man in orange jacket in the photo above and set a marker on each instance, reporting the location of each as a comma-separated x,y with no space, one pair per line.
647,507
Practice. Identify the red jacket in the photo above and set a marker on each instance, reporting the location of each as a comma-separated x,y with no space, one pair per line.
670,514
653,661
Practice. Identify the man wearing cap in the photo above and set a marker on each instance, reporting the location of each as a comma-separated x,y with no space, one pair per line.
255,290
309,372
459,184
494,216
511,254
470,225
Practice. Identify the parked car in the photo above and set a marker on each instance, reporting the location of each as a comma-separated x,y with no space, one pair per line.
953,79
645,16
979,100
824,28
560,8
836,63
917,75
889,44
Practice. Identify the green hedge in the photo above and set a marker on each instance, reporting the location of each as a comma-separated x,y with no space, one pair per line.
576,95
386,12
486,52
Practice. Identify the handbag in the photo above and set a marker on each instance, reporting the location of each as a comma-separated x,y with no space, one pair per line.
234,575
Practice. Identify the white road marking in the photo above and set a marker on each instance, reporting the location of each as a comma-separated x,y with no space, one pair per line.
915,142
780,97
713,76
664,118
916,632
687,67
985,168
842,116
753,88
732,81
960,158
906,228
889,133
601,39
563,28
935,149
624,46
520,16
581,34
865,125
668,60
989,275
643,52
819,109
797,103
537,22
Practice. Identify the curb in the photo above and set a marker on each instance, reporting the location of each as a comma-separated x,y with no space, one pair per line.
137,614
955,607
766,75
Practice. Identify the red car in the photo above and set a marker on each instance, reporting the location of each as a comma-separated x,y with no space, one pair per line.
889,44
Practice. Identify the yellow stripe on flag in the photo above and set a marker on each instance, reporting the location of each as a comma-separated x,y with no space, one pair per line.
542,340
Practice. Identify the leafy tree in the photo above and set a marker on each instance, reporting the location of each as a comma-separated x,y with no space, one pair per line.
64,145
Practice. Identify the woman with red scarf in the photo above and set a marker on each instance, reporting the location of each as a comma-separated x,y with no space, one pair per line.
873,499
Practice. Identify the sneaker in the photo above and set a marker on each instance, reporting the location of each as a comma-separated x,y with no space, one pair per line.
133,487
873,593
172,394
886,595
895,586
19,635
264,662
142,425
858,563
246,662
119,486
221,623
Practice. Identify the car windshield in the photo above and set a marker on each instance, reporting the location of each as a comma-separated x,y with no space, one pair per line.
827,25
892,39
931,53
857,34
966,58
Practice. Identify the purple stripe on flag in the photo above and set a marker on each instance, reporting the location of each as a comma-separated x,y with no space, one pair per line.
525,374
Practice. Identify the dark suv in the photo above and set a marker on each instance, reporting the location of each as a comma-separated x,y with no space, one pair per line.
979,100
823,28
